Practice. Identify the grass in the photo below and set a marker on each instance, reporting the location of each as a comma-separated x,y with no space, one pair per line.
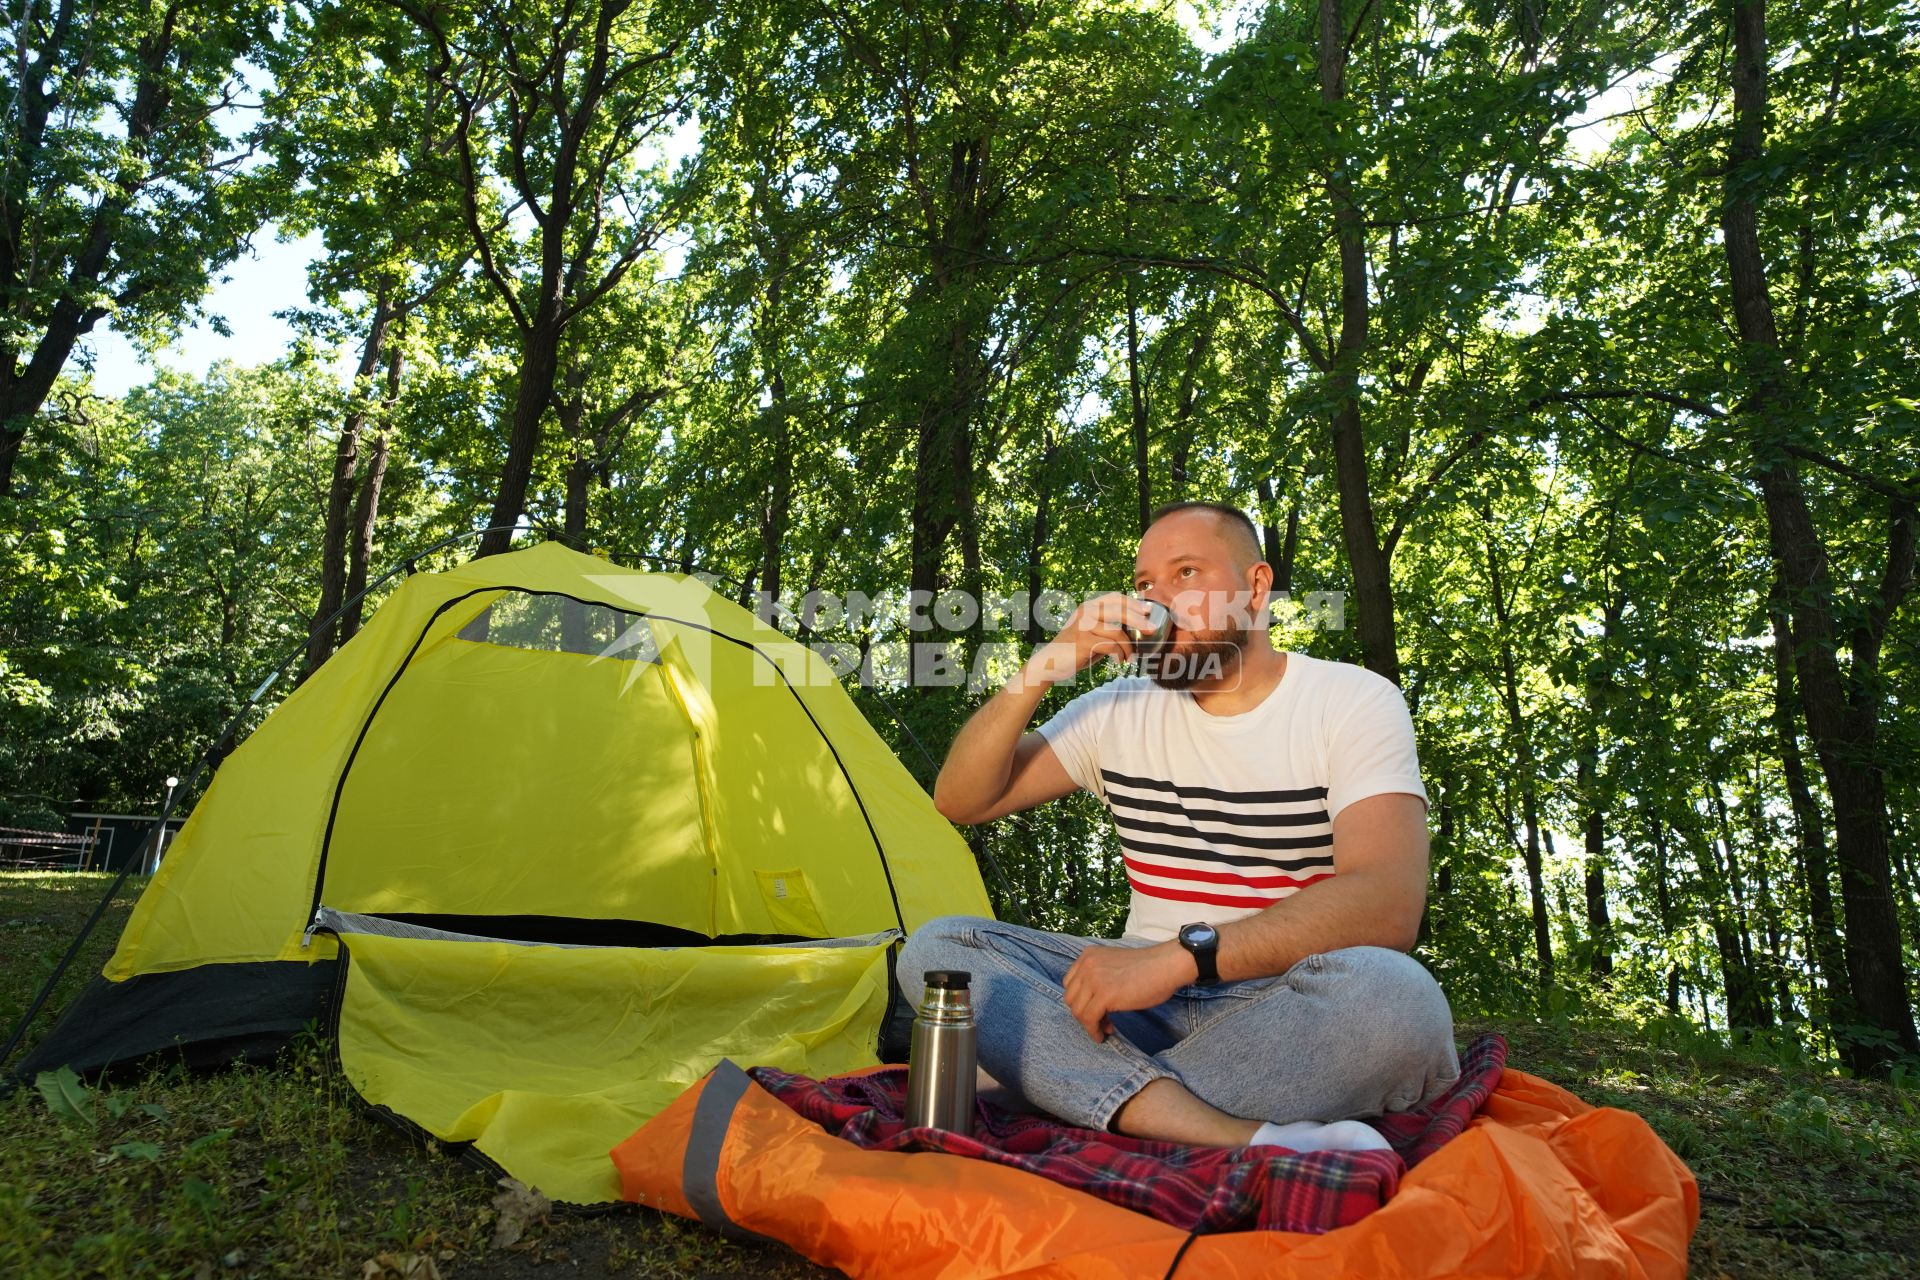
279,1172
266,1172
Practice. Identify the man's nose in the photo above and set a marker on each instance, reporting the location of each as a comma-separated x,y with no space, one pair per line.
1192,608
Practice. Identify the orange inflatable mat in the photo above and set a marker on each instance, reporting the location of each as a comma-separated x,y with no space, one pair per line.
1539,1184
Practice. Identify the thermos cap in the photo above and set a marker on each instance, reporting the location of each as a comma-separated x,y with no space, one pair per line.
948,979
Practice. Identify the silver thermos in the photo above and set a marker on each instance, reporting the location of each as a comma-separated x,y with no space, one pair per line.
944,1056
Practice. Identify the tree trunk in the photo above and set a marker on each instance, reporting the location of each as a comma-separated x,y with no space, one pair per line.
1269,534
1599,925
769,326
321,636
1823,933
803,629
1180,432
1536,883
1601,689
580,464
1037,538
779,509
539,365
1137,400
1280,548
1372,576
1523,770
1442,859
1769,911
943,461
1746,998
1844,730
571,409
1530,815
1663,902
366,510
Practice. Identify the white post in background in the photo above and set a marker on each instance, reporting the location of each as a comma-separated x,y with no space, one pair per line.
160,840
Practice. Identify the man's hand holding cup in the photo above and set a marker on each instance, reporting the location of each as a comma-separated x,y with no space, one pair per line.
1114,625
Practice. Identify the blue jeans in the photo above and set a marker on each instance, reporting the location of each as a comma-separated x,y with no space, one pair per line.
1349,1033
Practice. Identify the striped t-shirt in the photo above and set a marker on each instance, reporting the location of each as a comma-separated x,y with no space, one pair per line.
1220,816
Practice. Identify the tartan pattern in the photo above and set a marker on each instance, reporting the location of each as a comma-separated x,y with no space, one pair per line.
1418,1134
1199,1189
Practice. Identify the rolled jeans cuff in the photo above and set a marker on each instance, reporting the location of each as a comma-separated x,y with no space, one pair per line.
1109,1103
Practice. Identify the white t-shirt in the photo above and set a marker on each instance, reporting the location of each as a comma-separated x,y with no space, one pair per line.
1220,816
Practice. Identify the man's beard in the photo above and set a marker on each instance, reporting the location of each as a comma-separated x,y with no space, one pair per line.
1197,656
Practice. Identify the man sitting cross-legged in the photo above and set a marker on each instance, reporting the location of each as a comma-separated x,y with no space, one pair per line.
1273,822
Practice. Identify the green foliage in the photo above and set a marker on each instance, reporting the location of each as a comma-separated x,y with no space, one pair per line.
929,295
121,192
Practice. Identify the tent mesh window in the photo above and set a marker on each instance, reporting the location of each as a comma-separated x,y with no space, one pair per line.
559,624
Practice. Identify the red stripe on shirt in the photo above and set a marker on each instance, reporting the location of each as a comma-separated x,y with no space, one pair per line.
1211,899
1277,881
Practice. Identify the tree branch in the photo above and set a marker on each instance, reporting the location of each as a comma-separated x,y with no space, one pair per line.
469,180
1884,488
1691,405
1414,501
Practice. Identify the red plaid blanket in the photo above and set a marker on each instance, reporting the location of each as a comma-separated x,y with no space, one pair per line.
1199,1189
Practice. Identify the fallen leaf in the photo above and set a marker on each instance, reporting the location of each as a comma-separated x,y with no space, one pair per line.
400,1266
66,1096
518,1205
136,1150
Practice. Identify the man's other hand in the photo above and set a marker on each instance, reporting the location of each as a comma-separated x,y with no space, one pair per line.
1110,979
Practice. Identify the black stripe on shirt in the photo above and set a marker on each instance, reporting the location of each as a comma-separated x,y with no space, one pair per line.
1216,815
1208,793
1127,823
1288,865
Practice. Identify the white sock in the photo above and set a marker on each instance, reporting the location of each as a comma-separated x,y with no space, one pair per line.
1313,1135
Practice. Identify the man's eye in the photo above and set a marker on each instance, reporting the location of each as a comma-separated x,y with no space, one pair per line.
1189,569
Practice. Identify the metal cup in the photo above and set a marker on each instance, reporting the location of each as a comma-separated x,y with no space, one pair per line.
1159,631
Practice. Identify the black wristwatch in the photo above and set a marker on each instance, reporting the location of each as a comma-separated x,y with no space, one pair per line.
1202,942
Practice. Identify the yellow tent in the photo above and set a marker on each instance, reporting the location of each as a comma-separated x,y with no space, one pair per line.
580,832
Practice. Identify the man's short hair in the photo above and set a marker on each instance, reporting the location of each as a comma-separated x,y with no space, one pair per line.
1233,515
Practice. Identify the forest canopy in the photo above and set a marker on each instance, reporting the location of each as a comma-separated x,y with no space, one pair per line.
1599,426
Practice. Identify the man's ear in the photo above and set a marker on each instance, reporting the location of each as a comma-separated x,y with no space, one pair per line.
1259,593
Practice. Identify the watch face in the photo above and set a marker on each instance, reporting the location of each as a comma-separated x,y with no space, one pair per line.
1200,935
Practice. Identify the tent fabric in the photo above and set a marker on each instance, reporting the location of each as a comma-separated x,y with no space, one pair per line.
1540,1184
203,1017
710,776
565,811
543,1057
